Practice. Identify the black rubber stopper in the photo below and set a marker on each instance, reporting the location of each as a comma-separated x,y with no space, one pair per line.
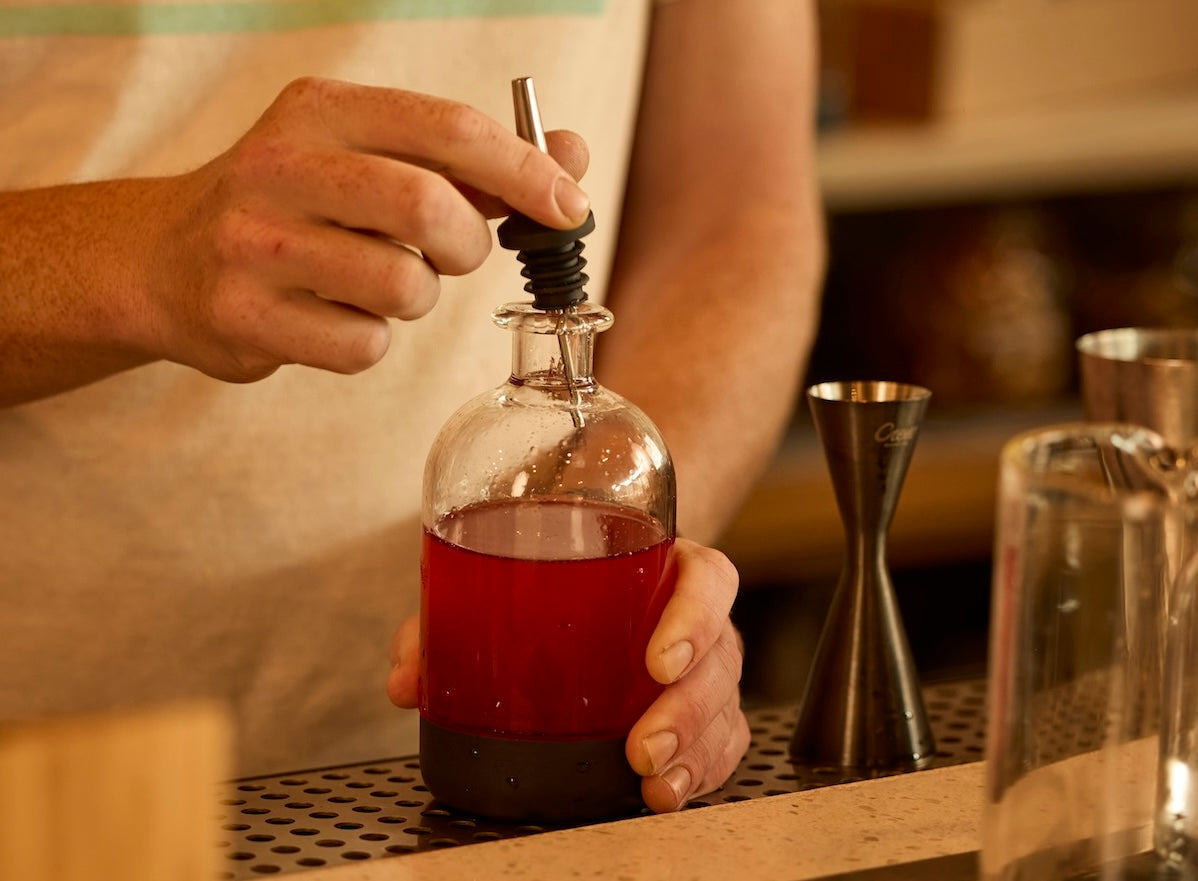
552,259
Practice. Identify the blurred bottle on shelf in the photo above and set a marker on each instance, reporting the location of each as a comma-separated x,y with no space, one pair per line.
1134,259
967,301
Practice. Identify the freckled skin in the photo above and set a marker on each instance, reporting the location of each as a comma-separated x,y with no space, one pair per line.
288,248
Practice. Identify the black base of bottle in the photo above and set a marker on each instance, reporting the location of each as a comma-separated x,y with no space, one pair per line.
543,781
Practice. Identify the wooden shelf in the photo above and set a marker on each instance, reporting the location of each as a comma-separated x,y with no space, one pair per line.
1151,140
789,529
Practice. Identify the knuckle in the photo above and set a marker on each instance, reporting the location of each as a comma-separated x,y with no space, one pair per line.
538,173
533,164
474,246
303,86
245,369
703,756
484,246
239,362
366,347
462,123
462,253
438,221
235,315
687,716
413,289
735,746
232,313
721,568
699,713
424,206
258,157
730,657
305,92
723,745
242,238
230,234
716,584
245,365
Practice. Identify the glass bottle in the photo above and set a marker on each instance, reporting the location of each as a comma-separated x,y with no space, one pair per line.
548,516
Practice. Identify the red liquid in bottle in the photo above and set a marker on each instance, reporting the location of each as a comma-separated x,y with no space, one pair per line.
535,620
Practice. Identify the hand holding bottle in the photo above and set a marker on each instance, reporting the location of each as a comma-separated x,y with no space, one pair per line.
692,737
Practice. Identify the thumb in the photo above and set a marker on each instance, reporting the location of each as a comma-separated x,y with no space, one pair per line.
570,151
405,664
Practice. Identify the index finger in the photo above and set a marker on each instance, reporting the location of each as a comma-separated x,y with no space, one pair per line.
705,588
452,138
568,148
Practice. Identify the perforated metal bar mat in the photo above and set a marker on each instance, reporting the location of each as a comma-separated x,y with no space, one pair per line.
379,809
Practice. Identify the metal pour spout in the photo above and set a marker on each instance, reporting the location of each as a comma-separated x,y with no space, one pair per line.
528,113
552,258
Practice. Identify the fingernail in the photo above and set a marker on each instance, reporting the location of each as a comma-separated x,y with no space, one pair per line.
676,658
660,747
678,779
571,200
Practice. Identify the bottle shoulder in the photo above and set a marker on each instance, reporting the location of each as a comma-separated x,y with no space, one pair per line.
517,407
501,446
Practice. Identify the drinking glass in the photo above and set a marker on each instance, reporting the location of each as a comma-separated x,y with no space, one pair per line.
1075,662
1149,376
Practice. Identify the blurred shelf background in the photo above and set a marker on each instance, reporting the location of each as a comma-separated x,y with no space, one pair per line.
999,177
790,531
1097,146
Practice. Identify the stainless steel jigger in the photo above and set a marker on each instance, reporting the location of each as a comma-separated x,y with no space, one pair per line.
862,708
1147,376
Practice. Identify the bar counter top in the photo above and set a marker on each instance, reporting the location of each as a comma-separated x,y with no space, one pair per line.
830,831
131,796
772,820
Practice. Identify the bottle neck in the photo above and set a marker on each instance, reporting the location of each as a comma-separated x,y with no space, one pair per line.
553,349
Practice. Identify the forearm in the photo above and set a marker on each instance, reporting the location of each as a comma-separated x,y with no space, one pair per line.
72,285
715,358
721,253
338,210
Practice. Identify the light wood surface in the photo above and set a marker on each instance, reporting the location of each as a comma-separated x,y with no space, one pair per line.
114,797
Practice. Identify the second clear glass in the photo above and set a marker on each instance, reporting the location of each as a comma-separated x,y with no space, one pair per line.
1075,654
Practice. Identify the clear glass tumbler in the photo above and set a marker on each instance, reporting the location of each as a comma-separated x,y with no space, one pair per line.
1149,376
1075,653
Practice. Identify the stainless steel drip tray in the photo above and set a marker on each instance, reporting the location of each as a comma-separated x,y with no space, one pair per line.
329,816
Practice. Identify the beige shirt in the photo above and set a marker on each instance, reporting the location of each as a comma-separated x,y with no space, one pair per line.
165,534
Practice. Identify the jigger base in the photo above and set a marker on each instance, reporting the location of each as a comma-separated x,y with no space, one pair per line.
529,780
